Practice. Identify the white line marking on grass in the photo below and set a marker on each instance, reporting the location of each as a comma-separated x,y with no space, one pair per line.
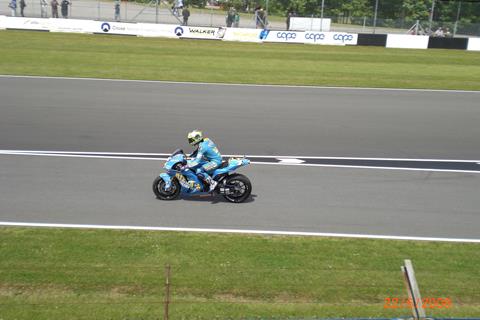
234,231
239,84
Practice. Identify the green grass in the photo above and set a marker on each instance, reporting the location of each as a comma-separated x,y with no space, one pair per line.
73,55
74,274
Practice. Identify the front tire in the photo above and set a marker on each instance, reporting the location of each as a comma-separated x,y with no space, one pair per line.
162,193
242,186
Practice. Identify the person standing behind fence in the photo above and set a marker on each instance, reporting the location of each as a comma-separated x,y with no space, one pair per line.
64,5
236,20
13,7
43,8
186,15
117,10
259,17
54,4
22,7
230,17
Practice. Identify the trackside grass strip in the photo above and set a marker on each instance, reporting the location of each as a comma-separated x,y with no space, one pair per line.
100,56
106,274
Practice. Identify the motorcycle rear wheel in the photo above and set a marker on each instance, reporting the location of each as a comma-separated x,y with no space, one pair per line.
162,193
243,188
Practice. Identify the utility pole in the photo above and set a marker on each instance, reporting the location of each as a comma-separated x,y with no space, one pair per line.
458,18
375,16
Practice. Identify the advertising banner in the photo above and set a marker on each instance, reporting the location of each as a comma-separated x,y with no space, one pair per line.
407,41
106,27
473,44
246,35
72,25
282,36
310,24
157,30
200,32
3,22
330,38
27,23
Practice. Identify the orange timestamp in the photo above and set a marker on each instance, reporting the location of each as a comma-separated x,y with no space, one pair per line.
425,303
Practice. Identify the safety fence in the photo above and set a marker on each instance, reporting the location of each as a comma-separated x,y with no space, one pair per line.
213,16
238,34
225,291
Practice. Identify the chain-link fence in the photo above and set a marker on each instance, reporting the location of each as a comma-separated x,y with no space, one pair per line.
365,16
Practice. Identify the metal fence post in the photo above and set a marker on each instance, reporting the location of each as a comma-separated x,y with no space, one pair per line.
167,291
413,290
431,16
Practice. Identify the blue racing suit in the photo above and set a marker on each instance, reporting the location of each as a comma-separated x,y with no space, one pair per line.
207,152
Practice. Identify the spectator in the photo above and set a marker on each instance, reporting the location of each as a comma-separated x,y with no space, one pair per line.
177,4
13,7
54,4
117,10
64,6
448,34
43,8
290,14
22,7
230,17
236,20
439,33
186,15
260,17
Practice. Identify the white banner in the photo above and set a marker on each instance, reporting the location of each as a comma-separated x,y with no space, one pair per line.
407,41
473,44
106,27
330,38
200,32
282,36
246,35
3,22
310,24
27,23
157,30
72,25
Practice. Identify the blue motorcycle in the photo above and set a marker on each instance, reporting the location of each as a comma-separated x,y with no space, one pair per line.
179,179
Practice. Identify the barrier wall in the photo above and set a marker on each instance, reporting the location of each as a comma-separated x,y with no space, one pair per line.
244,35
310,24
365,39
35,24
473,44
238,34
3,22
447,43
330,38
407,41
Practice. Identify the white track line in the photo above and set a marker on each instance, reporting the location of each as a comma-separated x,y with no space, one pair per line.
234,231
124,156
239,84
27,152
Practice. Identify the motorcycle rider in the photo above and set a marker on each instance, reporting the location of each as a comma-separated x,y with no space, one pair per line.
208,151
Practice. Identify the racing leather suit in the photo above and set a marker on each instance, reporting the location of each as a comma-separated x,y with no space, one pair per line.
206,151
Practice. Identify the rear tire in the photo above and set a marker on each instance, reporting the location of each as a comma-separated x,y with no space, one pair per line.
243,188
163,194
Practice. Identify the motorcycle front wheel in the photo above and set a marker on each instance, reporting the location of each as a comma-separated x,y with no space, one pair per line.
162,193
242,188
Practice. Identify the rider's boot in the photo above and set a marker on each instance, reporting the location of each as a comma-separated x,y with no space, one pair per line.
212,183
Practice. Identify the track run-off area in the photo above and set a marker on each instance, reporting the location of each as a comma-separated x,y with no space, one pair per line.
325,161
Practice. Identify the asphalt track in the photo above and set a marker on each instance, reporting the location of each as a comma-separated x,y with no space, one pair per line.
153,117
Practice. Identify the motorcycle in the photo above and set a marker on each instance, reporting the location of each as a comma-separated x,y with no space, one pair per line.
179,179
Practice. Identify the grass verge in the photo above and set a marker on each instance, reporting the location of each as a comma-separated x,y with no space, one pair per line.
76,55
102,274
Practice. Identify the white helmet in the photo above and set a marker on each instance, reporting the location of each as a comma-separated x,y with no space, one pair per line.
195,137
